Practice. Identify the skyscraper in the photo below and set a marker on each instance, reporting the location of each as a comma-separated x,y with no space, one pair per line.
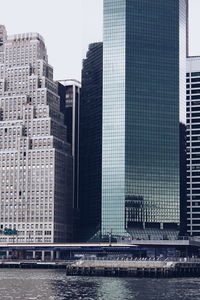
69,92
193,144
143,107
70,108
35,160
90,153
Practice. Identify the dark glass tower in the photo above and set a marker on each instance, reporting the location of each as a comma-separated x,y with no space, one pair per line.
69,92
143,106
91,142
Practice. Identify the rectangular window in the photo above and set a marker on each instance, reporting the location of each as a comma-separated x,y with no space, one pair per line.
195,79
195,92
195,74
195,97
197,85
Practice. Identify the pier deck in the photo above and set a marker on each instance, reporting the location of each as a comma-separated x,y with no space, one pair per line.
149,268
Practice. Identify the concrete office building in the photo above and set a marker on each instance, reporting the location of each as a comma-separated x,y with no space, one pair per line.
193,145
35,160
144,60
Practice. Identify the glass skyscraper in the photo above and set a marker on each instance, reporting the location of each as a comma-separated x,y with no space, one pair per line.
144,55
90,143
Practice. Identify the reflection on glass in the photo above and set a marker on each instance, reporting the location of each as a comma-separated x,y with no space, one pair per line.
143,102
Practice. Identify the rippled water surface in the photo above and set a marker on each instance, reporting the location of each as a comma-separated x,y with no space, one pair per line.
55,285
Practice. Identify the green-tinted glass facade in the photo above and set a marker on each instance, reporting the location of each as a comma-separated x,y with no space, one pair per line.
143,105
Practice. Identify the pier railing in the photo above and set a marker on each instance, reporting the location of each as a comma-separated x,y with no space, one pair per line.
136,259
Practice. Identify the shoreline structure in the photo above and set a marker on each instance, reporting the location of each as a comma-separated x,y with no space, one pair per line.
135,268
182,267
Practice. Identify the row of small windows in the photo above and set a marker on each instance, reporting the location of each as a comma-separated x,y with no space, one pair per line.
21,46
26,219
29,198
33,153
28,226
28,206
13,59
11,100
28,239
27,212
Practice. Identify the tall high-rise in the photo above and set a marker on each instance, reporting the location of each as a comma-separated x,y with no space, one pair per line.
90,152
144,60
70,107
35,160
193,144
69,92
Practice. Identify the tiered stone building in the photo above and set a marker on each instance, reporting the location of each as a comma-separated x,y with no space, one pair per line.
35,160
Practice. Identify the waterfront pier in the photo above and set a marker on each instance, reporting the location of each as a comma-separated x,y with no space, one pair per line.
134,268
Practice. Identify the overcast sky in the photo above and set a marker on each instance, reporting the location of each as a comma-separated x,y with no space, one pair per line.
68,26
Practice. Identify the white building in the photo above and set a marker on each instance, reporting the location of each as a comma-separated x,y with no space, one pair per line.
35,160
193,145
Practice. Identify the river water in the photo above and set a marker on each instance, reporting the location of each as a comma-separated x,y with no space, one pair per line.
55,285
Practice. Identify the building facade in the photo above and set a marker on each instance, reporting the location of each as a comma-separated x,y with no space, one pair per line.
144,57
90,153
193,145
69,92
70,106
35,160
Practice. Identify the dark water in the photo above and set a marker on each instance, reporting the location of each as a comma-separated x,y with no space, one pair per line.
54,285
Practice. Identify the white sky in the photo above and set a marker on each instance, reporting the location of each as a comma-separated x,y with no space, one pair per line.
68,26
